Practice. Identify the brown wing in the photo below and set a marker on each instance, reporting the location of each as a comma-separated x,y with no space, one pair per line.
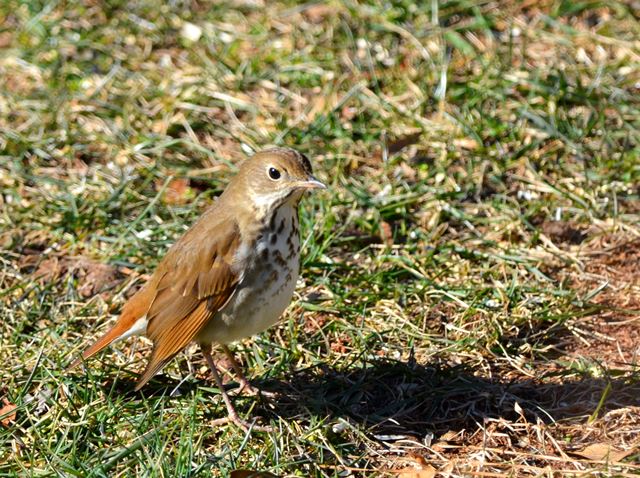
197,280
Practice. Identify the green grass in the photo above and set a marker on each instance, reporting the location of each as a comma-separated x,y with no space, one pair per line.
461,283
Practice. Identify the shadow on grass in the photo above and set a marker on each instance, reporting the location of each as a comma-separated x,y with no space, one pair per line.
392,397
396,397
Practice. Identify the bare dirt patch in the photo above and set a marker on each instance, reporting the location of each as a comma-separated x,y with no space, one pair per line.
564,231
463,424
611,274
618,261
613,344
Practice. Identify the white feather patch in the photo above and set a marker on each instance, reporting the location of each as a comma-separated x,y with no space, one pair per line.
139,327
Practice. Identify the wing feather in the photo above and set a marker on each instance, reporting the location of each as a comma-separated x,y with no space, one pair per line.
197,282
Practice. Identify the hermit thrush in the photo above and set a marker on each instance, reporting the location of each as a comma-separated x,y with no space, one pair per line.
230,276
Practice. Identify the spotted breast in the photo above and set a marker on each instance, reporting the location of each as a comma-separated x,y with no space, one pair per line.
267,284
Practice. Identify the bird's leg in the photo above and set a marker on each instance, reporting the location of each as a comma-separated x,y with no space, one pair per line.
231,411
244,383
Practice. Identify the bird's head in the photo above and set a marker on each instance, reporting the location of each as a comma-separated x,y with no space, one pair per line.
275,176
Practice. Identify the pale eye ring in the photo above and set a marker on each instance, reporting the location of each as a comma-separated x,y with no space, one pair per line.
274,173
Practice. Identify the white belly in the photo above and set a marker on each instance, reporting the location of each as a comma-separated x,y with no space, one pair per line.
266,288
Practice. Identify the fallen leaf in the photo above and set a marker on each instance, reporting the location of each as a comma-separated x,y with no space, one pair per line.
451,435
465,143
95,277
5,39
48,270
7,412
420,469
176,192
6,238
386,233
603,452
425,471
419,459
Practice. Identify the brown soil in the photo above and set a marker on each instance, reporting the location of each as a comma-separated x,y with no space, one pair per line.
612,334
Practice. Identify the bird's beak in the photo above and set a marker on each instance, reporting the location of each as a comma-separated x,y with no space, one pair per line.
311,183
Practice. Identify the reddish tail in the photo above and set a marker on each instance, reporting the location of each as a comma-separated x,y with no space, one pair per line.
135,308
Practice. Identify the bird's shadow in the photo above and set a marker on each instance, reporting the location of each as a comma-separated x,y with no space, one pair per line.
395,397
391,397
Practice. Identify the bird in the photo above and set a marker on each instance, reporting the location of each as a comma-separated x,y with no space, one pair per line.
230,276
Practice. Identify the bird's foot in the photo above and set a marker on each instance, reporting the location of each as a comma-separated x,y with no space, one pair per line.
249,390
245,425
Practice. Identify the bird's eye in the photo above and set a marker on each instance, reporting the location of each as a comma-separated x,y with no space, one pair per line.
274,174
